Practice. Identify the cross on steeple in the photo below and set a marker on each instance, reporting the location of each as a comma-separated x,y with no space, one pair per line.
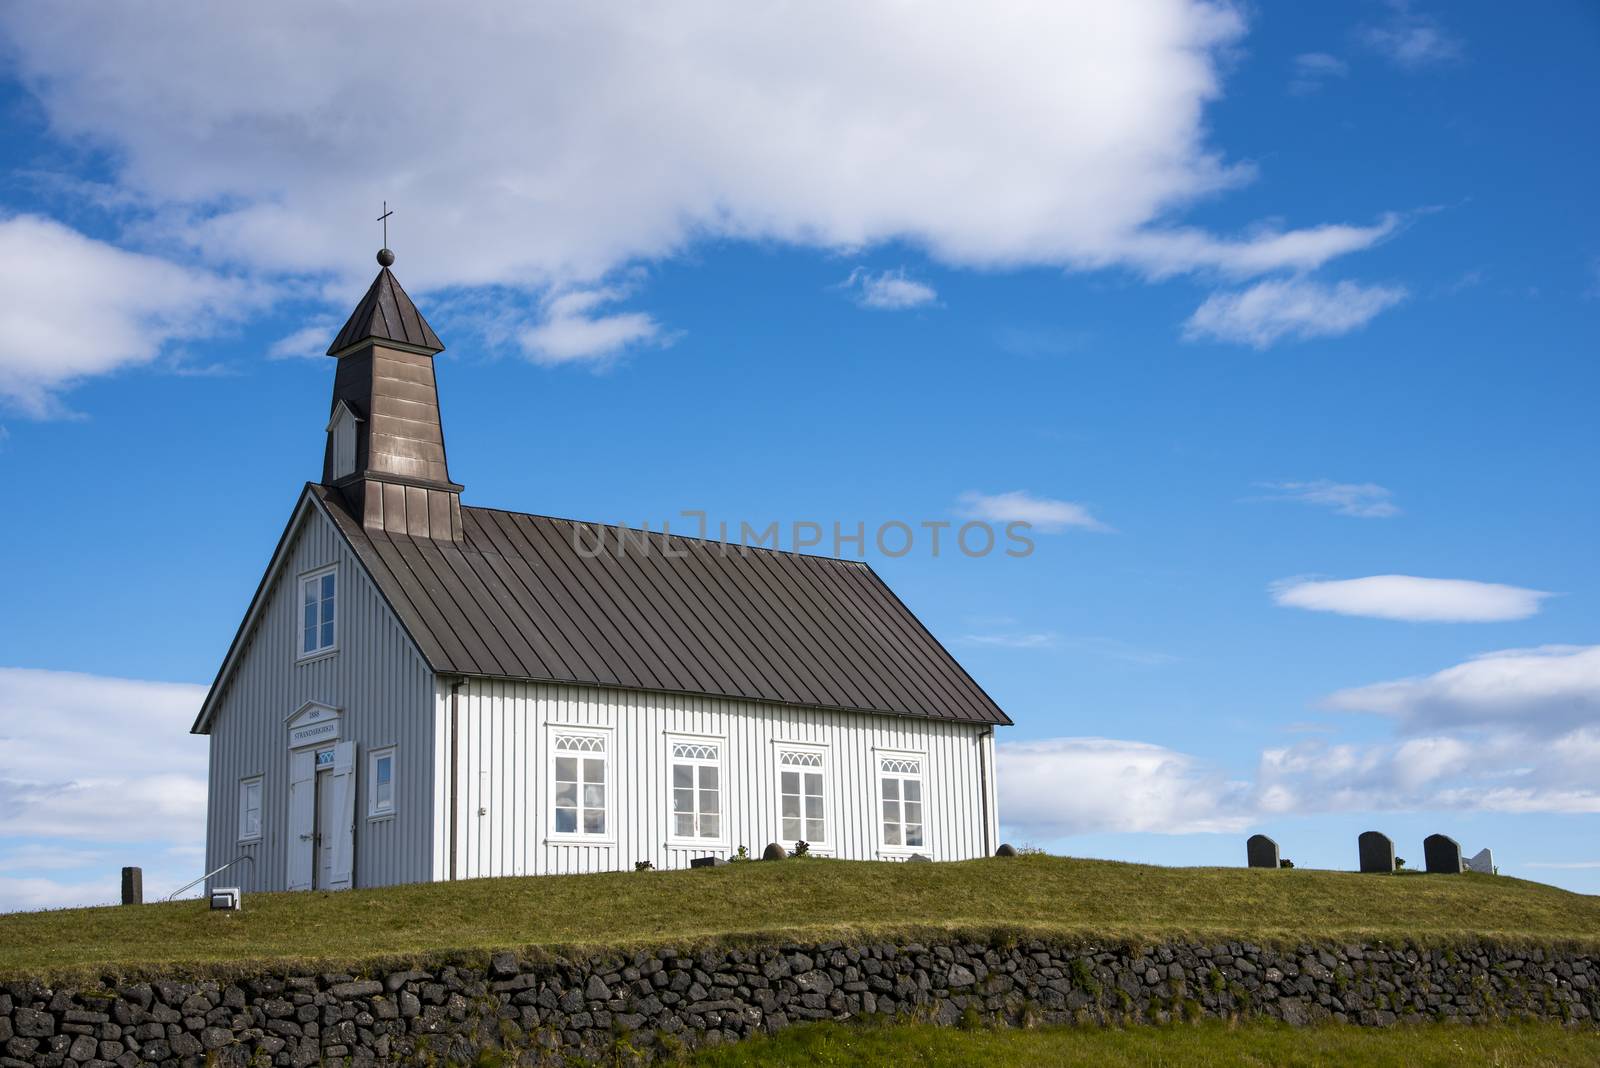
384,218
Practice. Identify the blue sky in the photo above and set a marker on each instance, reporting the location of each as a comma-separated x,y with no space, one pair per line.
1247,305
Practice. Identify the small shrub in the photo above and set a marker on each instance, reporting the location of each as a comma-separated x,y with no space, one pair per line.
1285,863
1083,977
1192,1011
970,1020
740,854
802,848
1399,862
643,865
1215,982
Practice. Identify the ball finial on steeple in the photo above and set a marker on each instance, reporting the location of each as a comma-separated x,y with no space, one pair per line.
385,258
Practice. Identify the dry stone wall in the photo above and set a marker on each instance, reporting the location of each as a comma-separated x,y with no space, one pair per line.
649,1004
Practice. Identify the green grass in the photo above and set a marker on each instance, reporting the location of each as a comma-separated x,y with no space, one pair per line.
809,899
926,1046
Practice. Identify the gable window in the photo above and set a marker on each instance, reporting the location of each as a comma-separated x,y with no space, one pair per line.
318,601
580,781
900,784
802,798
380,783
250,809
343,429
697,790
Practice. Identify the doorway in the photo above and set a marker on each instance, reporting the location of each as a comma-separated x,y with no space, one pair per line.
326,822
321,839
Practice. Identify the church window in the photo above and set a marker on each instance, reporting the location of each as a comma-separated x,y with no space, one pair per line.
318,601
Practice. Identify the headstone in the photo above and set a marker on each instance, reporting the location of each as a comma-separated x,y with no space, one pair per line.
774,851
1006,850
1261,851
918,858
133,886
1442,854
707,862
1482,862
1377,852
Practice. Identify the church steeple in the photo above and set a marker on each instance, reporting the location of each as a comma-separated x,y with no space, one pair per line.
385,451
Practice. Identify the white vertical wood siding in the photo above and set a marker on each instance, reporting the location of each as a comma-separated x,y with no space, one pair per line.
385,691
504,789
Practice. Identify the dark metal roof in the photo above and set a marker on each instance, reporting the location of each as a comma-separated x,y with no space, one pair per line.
518,597
387,314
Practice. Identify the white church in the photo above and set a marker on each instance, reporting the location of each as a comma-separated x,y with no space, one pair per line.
424,690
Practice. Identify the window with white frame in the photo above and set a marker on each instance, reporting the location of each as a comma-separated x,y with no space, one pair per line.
697,790
318,598
802,796
900,783
580,782
380,782
250,809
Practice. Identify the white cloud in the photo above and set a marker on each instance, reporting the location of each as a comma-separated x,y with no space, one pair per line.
1366,500
1553,687
1062,786
1573,865
1313,69
1295,308
1507,772
1035,640
75,307
1514,732
555,143
96,758
308,342
105,773
889,291
1409,598
572,332
1044,514
1411,40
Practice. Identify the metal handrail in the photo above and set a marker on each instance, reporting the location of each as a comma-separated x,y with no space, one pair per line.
209,874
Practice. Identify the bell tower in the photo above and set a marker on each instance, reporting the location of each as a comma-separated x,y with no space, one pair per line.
385,450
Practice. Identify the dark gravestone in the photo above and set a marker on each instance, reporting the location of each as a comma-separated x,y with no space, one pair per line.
1377,852
1261,851
774,851
133,886
1441,854
707,862
1006,850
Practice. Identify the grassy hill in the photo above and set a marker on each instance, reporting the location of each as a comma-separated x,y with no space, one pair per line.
796,899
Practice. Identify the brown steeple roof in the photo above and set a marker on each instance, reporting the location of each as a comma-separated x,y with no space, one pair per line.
387,314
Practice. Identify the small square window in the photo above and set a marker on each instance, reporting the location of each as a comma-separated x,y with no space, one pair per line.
250,809
381,783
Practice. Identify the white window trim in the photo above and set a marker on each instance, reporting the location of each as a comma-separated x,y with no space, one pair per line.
605,734
373,756
299,617
878,757
259,782
722,840
830,795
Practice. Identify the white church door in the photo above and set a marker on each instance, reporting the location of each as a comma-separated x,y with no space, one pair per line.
302,837
336,816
